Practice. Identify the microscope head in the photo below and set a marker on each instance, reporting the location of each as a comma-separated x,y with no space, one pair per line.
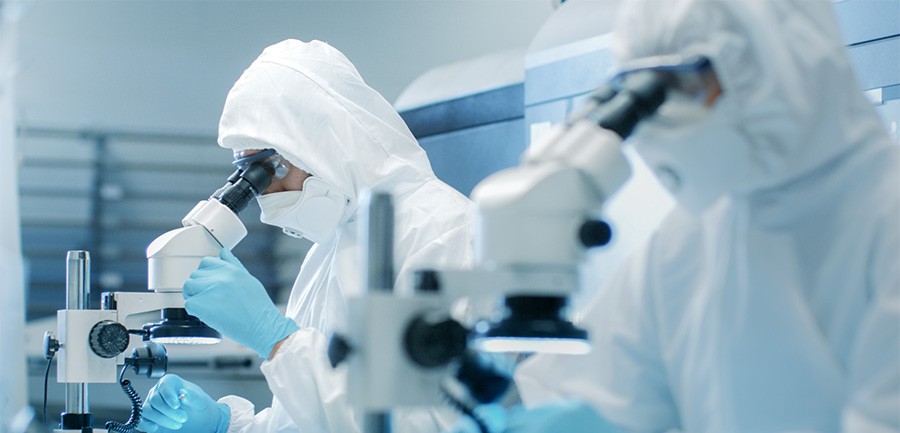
179,327
213,224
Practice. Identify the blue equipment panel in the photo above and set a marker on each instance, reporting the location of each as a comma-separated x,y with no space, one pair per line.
471,137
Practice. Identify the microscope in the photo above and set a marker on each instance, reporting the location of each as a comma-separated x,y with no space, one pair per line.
90,344
536,222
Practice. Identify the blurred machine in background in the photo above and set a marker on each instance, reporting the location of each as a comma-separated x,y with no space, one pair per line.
475,117
469,116
872,33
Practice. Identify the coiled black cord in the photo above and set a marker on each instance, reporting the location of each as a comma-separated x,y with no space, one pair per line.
465,410
131,425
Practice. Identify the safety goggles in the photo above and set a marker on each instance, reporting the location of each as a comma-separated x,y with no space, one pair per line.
269,158
691,76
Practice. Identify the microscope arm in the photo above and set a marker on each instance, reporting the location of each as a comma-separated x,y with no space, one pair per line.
549,201
174,255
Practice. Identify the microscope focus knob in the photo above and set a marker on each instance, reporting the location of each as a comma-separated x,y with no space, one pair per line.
51,345
338,350
432,343
109,338
595,233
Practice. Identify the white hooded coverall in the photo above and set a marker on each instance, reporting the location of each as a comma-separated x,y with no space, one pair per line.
308,102
776,309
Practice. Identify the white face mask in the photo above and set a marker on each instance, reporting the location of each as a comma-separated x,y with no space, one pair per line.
313,213
697,153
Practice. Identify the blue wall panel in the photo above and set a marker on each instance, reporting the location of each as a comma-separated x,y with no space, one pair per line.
465,157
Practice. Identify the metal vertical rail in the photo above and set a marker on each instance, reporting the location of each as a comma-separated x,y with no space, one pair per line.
379,242
378,260
78,297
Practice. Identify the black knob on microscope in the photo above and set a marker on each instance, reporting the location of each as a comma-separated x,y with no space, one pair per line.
595,233
51,345
108,338
338,350
151,360
433,343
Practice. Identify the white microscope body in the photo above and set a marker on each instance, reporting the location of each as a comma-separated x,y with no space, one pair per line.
535,224
530,217
90,341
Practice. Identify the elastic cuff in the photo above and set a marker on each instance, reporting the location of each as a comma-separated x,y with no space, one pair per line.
241,413
288,327
224,418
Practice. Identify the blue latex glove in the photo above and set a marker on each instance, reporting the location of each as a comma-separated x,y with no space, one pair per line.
226,297
175,404
570,416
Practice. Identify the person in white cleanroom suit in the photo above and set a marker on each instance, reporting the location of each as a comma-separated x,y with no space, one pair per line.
338,136
769,299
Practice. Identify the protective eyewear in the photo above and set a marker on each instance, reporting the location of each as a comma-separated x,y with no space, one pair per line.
693,76
269,158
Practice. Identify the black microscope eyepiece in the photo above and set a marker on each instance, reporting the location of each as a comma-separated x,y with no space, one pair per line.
253,175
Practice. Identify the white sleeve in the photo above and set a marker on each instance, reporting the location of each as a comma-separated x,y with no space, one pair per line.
243,419
874,399
623,376
311,392
873,403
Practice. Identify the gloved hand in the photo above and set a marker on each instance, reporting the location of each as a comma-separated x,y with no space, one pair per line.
176,404
570,416
226,297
